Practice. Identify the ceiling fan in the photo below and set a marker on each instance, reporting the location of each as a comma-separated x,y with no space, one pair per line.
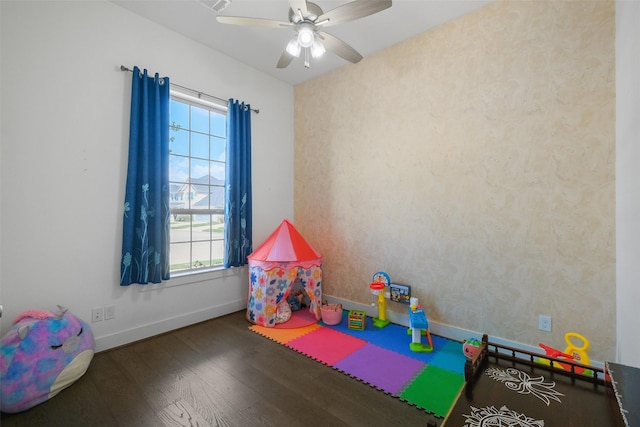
308,20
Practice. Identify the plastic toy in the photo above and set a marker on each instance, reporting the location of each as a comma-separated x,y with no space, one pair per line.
378,283
377,288
579,353
572,352
42,354
470,347
419,323
400,293
357,319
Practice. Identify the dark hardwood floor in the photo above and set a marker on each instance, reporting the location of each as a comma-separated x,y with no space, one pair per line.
216,373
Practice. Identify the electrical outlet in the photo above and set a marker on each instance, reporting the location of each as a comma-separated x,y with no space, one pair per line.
544,323
110,312
97,315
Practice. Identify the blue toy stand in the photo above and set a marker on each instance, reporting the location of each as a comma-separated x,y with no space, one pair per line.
419,324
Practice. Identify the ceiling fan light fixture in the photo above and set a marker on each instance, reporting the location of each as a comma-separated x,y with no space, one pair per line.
317,49
308,20
305,35
293,48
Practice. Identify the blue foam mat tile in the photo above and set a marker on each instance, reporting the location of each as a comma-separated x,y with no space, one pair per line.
450,357
397,338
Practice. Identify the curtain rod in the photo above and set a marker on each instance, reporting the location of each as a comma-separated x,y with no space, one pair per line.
200,94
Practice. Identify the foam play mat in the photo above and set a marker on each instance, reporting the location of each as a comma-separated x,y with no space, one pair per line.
381,358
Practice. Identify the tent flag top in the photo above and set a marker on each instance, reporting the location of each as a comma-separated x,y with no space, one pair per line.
284,257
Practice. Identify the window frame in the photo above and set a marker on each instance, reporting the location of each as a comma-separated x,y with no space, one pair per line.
218,107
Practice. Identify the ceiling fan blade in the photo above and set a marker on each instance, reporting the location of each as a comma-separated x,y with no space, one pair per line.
254,22
299,4
354,10
285,60
340,48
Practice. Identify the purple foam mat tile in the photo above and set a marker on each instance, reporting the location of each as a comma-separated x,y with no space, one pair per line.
373,364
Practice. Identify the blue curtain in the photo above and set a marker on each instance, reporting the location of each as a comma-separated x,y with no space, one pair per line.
237,207
145,236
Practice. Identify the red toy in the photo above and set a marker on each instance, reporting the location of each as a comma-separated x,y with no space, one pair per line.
572,352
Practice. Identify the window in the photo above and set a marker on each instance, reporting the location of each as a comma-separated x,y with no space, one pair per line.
197,184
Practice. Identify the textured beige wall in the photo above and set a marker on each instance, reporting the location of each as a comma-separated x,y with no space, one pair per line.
475,163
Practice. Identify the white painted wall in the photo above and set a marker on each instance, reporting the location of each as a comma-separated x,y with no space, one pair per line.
628,181
64,132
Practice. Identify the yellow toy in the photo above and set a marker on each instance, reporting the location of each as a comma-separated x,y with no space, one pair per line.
377,288
378,284
579,353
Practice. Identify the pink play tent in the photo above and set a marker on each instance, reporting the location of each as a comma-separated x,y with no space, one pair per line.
274,268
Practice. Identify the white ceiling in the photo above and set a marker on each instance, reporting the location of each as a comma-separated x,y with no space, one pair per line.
260,47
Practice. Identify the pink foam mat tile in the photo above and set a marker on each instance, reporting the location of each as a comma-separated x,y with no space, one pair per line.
326,345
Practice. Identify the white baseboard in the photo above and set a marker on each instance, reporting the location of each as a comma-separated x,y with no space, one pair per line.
441,329
145,331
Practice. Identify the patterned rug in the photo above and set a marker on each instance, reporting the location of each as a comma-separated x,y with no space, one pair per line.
381,358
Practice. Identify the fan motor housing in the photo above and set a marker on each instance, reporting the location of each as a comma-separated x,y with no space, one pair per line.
313,12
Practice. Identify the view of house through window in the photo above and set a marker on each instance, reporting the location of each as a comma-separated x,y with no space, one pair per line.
196,178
